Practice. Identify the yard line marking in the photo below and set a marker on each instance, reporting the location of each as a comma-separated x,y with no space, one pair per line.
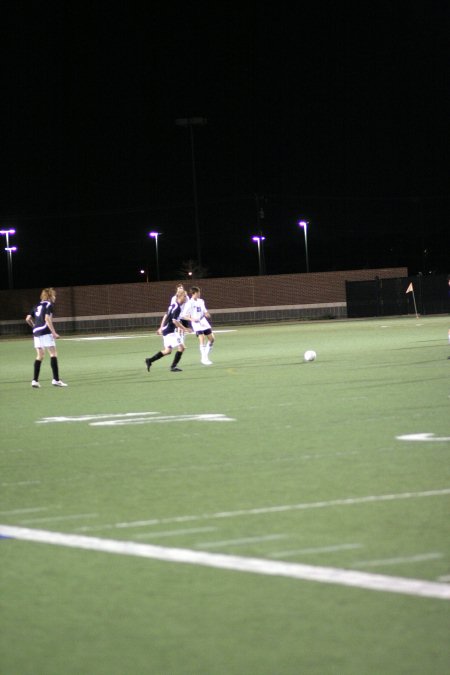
22,482
422,437
52,519
120,419
18,511
89,418
350,501
398,561
319,549
240,542
445,577
175,533
161,419
328,575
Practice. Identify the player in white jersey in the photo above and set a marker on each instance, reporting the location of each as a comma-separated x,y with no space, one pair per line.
198,315
173,301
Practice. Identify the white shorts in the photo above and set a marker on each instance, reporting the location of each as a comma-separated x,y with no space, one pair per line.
201,325
173,340
44,341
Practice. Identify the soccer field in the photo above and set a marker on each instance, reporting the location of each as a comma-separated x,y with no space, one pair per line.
259,516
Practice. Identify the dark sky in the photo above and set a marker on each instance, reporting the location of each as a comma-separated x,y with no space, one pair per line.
335,112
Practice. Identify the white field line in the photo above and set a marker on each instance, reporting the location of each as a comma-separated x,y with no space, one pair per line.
54,519
398,561
241,542
18,511
328,575
175,533
120,419
350,501
22,482
319,549
424,437
100,338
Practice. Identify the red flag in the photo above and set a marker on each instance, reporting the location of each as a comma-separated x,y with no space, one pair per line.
410,288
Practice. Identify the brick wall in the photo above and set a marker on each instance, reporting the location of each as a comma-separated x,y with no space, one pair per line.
120,300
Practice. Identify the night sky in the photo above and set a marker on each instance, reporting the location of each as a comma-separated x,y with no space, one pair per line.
337,113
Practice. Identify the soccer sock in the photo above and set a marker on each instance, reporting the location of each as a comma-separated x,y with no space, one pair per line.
156,356
54,365
37,369
176,359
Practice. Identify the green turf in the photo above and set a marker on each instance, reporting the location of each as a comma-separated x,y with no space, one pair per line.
301,434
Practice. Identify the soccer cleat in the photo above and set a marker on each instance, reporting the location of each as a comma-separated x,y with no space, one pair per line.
206,362
59,383
148,363
175,369
35,384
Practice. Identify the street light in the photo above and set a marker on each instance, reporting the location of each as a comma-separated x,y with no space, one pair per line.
192,122
9,250
304,224
155,236
259,241
146,274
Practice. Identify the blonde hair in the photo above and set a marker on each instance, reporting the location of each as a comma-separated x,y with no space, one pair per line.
48,293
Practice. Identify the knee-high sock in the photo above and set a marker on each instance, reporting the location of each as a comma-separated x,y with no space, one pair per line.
54,365
37,369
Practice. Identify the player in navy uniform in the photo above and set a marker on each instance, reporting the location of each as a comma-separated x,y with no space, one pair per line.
173,334
44,336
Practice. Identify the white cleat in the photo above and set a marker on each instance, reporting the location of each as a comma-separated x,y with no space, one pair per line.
35,384
59,383
206,362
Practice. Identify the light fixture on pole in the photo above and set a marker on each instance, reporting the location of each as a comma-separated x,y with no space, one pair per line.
259,240
304,224
146,274
155,236
9,251
192,122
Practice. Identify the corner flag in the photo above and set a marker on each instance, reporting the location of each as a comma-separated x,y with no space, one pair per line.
410,288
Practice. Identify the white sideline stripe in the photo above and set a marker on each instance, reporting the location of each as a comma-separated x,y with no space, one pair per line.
16,511
22,482
96,338
321,549
54,519
119,419
240,542
175,533
398,561
426,437
350,501
328,575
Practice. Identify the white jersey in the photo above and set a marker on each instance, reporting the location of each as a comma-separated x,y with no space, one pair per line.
197,310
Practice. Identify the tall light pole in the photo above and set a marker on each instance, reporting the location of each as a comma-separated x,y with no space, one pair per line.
155,236
304,224
9,251
192,122
259,241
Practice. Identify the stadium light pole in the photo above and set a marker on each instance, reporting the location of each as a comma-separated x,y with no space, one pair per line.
155,236
259,241
304,224
9,251
190,123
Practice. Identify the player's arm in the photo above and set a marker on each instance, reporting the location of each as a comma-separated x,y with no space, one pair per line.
162,324
29,320
49,322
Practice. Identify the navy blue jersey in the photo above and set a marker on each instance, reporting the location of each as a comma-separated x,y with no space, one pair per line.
39,312
173,312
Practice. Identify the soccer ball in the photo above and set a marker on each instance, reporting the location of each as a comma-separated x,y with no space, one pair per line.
310,355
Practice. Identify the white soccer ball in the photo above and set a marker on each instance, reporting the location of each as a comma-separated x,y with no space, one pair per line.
310,355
